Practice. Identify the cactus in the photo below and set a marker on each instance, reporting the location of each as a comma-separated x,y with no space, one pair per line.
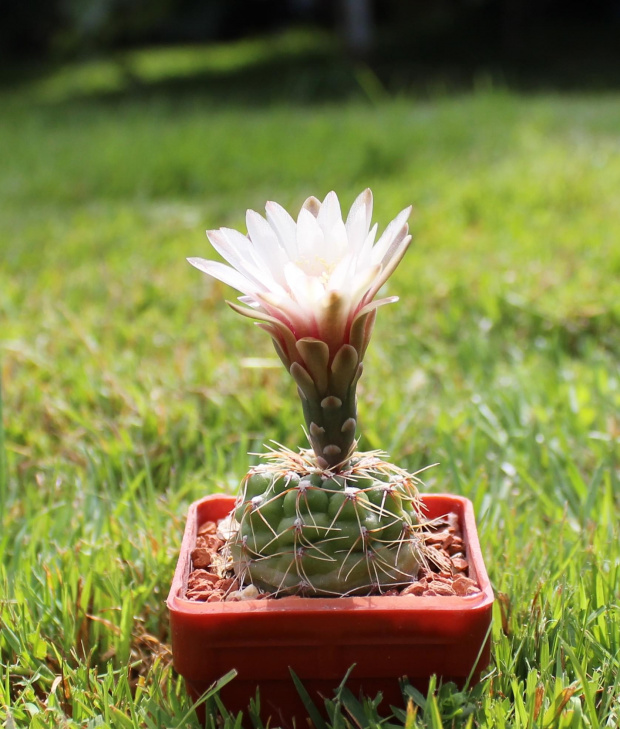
331,521
308,531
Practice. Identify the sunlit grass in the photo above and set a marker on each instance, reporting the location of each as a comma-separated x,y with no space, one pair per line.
129,388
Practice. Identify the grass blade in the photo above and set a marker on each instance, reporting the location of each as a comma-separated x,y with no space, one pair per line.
208,694
311,708
4,476
585,685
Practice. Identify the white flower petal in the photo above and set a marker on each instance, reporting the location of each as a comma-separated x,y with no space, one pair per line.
364,257
330,213
249,260
340,275
358,219
375,305
310,243
336,242
363,281
284,226
306,290
355,230
248,301
396,244
334,230
383,244
225,274
222,246
237,252
261,234
388,269
266,244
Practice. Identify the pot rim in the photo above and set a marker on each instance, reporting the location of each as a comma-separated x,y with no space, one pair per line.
303,605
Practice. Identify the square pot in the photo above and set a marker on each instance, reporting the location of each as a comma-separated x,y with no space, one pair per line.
321,638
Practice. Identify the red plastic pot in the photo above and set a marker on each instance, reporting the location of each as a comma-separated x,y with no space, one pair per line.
321,638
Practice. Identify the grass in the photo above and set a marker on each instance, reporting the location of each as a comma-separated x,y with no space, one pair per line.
129,389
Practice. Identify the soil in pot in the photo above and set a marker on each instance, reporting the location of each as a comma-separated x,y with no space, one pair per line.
446,573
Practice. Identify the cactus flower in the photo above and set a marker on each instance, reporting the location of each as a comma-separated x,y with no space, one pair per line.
311,285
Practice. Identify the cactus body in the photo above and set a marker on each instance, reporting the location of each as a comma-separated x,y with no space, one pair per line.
307,531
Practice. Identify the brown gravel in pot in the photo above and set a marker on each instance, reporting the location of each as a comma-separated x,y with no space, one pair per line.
445,574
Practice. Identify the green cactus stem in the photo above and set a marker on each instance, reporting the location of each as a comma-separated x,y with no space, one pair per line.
330,415
304,530
326,383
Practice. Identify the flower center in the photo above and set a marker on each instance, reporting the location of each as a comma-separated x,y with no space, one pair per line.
321,268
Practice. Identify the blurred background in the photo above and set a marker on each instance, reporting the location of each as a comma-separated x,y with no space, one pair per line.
129,389
564,43
128,127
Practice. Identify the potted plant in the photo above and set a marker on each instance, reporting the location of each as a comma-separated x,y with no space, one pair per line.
328,557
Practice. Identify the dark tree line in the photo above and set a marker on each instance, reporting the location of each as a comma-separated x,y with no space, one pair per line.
61,28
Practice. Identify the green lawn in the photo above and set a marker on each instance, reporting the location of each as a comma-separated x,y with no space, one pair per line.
130,389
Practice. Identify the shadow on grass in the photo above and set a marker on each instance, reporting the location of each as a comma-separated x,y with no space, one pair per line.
294,67
310,67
